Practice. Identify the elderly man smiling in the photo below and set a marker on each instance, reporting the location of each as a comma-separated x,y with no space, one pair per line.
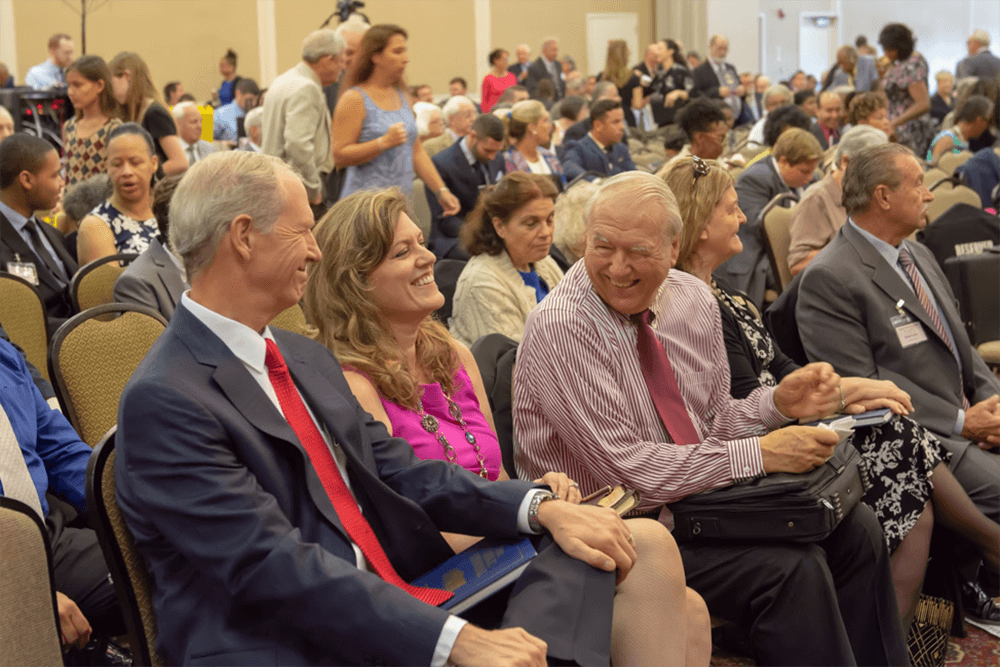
622,378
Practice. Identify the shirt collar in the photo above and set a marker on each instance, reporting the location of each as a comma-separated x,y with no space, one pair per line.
889,252
16,219
185,145
246,344
464,145
454,137
594,139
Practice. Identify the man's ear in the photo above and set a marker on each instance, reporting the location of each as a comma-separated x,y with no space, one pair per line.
26,179
880,196
241,237
675,251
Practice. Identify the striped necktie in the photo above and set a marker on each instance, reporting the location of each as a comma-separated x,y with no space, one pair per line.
662,384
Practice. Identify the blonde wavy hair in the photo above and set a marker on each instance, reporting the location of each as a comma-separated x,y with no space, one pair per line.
616,68
356,236
696,199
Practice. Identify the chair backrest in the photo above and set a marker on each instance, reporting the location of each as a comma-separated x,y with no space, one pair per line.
777,222
446,273
750,152
495,355
945,199
421,208
129,572
949,162
934,176
91,359
975,280
22,315
29,617
94,282
291,319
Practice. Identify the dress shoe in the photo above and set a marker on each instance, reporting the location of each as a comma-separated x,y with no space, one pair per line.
978,605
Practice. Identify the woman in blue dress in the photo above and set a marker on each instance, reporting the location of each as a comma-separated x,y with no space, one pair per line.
376,136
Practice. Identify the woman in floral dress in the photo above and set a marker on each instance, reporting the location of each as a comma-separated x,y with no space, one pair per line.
905,84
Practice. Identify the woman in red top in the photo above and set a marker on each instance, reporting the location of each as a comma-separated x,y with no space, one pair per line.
497,81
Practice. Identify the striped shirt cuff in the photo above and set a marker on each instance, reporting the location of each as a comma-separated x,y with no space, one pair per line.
745,459
770,416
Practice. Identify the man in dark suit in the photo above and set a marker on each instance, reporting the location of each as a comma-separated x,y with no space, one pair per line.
30,181
601,149
715,78
875,305
244,459
789,169
981,63
752,104
826,128
520,68
603,90
466,167
547,66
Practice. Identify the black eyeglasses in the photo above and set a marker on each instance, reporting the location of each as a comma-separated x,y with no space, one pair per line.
700,167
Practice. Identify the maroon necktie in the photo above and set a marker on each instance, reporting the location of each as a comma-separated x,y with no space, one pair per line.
344,503
662,384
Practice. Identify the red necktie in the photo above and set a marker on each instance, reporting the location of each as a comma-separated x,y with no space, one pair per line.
662,384
344,503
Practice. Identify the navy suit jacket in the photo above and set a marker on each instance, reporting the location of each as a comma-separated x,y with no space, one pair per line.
460,177
54,295
251,563
586,155
706,81
538,71
746,114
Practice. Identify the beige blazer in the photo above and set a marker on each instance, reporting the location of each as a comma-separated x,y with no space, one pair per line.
296,125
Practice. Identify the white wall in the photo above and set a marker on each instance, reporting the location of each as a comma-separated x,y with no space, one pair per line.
737,20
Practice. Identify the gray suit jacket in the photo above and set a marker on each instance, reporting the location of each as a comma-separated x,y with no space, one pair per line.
152,280
983,65
846,299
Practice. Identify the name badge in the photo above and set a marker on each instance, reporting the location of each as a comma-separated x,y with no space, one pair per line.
909,332
24,270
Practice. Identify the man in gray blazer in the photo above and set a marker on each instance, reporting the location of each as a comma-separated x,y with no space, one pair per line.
981,62
155,280
876,305
296,118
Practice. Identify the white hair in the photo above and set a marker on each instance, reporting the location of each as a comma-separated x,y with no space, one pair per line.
857,139
354,25
321,43
982,37
254,117
454,105
215,191
776,89
630,193
178,109
424,111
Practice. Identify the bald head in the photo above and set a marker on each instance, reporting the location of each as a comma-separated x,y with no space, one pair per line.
550,49
718,47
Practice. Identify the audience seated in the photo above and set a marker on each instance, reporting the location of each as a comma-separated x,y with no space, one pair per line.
981,63
971,120
877,306
582,403
789,168
826,129
603,90
899,495
284,490
254,125
852,70
45,467
30,181
468,167
773,97
753,109
422,93
602,150
806,100
172,93
156,279
717,79
508,235
572,109
990,89
870,109
510,97
529,130
85,136
52,72
497,80
547,66
225,126
820,214
942,100
78,201
187,117
360,280
458,113
135,93
704,123
125,222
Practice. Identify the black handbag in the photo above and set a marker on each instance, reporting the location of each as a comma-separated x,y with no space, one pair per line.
788,507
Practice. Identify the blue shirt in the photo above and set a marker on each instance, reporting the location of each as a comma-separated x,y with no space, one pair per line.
52,450
226,92
18,221
531,279
225,126
46,75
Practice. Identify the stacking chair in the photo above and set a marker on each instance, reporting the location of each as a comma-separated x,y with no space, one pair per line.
22,315
291,319
945,199
495,355
777,223
29,616
949,162
446,273
131,577
934,176
92,358
94,282
975,280
421,208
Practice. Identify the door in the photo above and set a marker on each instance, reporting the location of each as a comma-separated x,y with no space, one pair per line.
817,42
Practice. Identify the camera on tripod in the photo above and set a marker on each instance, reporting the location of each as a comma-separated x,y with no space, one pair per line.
38,112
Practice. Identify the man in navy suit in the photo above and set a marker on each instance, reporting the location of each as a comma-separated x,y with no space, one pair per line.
601,149
240,449
546,66
466,167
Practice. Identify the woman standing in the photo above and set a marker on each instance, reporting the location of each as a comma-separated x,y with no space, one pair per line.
125,222
497,81
85,135
905,84
376,136
139,103
673,85
227,68
529,129
617,71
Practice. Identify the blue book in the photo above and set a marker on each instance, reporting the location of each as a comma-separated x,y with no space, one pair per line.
479,572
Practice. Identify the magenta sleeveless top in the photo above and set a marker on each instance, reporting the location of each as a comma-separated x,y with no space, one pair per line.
406,425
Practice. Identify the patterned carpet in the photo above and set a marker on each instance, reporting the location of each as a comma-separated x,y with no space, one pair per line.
978,649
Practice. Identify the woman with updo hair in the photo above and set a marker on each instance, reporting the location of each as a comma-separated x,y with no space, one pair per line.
227,68
508,235
497,80
529,129
372,299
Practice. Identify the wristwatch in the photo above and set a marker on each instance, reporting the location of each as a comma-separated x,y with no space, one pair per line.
444,188
539,498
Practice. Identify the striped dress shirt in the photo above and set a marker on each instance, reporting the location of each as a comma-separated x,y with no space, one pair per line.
581,405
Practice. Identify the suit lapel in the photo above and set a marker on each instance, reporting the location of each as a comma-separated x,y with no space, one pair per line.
18,245
167,273
58,242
